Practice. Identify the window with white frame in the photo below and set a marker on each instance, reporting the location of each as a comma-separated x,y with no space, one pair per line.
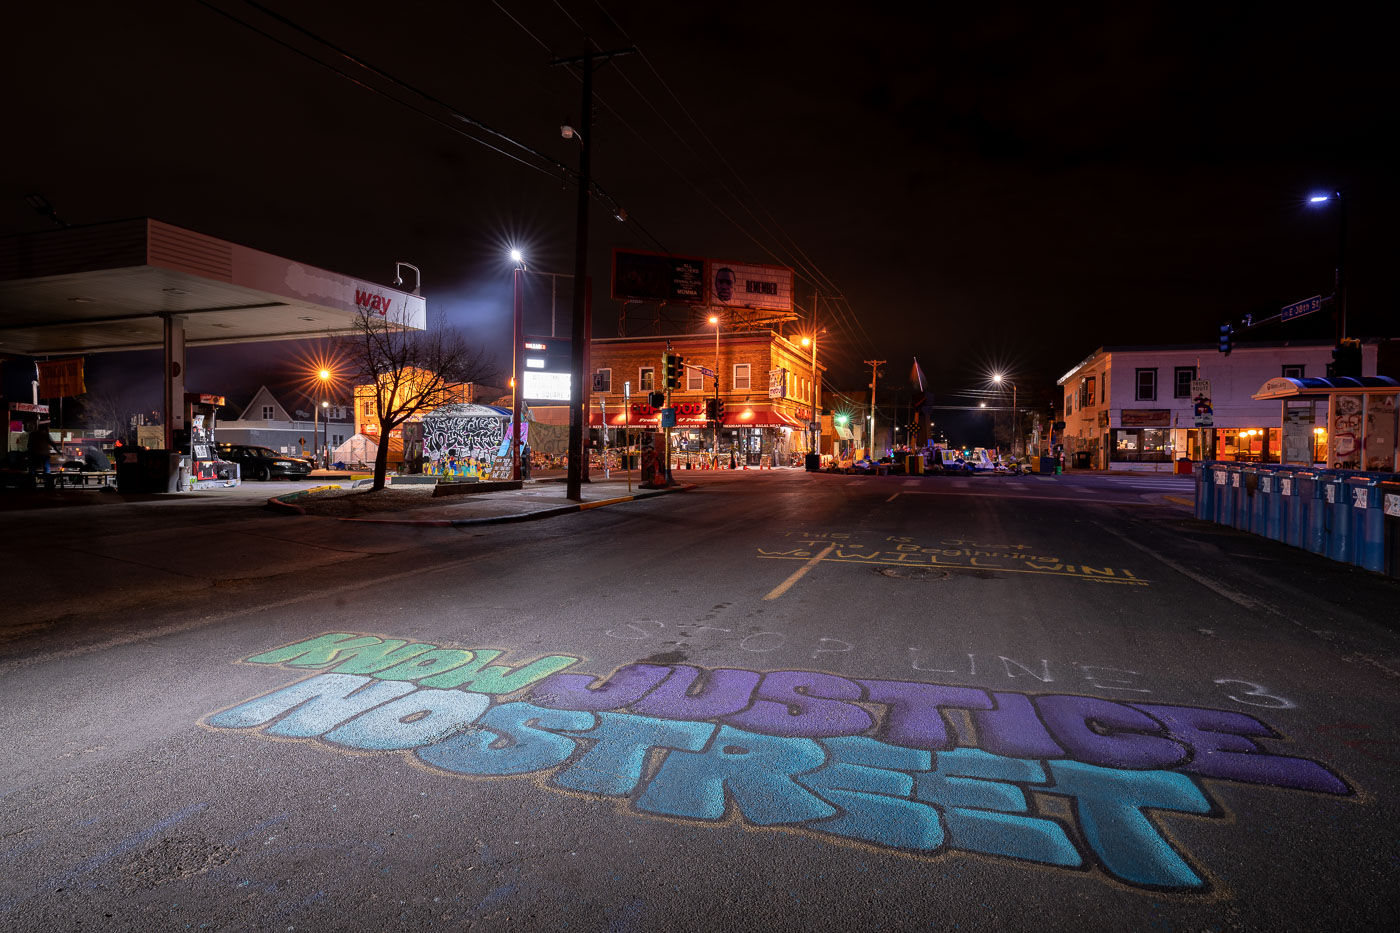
1293,371
1147,385
741,377
646,379
694,379
604,381
1184,377
337,440
269,412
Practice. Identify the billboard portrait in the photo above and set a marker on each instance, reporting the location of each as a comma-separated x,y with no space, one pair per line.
746,285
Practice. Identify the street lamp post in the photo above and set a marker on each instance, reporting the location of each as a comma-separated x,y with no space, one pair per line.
714,319
516,387
1015,420
1340,280
325,456
816,387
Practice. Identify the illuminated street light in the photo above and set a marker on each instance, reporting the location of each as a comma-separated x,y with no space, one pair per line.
816,387
1015,421
1339,287
714,319
517,380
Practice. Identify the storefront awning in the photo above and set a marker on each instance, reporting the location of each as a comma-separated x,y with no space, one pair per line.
756,416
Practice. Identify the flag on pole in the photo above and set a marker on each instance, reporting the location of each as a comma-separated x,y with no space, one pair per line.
916,375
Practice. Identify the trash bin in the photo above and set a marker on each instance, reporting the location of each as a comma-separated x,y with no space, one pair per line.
1390,509
812,462
1183,466
1363,495
1081,459
1046,465
1336,514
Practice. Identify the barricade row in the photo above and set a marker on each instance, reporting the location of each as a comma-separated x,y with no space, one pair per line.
1347,515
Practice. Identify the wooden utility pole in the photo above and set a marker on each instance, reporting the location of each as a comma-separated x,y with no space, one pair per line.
874,374
581,325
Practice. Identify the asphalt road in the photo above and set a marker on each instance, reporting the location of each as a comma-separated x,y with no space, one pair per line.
776,701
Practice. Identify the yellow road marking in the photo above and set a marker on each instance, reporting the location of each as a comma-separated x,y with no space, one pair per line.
892,498
783,587
799,573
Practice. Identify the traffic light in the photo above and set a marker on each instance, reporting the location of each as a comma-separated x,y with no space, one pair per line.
673,369
710,408
1227,339
1346,358
656,399
719,409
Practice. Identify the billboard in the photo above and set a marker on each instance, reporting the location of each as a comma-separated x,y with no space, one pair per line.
639,276
745,285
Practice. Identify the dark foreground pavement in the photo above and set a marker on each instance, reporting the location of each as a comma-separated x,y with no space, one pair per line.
776,701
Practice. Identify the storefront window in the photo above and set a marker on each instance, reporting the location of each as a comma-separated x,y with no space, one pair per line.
1141,445
1346,432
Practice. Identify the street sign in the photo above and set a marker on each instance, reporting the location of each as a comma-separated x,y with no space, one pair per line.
1300,308
1200,397
706,372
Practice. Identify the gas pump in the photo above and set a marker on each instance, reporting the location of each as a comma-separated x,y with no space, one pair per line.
202,467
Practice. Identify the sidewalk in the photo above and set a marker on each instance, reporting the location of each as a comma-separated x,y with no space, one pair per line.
541,497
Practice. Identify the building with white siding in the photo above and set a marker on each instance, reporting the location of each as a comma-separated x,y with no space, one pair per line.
1132,407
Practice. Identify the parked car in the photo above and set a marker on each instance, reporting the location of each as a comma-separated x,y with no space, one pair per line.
264,463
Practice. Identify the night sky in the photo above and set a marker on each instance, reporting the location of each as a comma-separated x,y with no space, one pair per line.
987,188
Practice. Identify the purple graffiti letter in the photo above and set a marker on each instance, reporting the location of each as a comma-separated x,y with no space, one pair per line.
804,703
1112,735
725,691
914,719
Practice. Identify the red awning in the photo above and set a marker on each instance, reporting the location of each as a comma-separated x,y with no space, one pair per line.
757,416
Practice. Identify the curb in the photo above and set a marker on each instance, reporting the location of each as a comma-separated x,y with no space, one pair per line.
489,520
283,503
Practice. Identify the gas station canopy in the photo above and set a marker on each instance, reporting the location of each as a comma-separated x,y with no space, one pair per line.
114,286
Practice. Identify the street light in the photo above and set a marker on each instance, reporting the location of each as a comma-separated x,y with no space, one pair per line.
1015,427
324,375
517,360
714,319
816,386
326,437
1339,286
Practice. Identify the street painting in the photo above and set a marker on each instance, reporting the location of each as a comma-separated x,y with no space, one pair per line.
1075,782
946,554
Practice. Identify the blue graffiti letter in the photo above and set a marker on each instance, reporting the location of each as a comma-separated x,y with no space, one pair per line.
981,803
1111,803
530,747
757,770
867,779
614,764
316,705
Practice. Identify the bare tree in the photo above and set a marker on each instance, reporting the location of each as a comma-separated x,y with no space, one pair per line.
410,370
109,409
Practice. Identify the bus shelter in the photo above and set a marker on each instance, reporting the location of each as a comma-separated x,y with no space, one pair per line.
1341,422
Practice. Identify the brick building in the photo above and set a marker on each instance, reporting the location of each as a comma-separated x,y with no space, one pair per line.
766,383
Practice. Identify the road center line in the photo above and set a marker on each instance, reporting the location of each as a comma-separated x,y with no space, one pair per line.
798,574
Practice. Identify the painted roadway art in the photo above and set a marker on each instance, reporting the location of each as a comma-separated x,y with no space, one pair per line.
949,554
1074,782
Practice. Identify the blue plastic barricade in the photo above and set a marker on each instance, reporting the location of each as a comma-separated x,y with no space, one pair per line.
1315,506
1336,510
1294,506
1363,496
1205,492
1241,479
1271,502
1224,494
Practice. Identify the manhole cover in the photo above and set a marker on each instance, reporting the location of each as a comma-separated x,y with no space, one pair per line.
913,573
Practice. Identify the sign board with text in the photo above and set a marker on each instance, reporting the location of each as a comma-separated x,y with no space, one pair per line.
1300,308
1203,413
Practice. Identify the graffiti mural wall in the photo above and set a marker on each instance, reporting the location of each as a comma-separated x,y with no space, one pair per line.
1074,782
461,439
